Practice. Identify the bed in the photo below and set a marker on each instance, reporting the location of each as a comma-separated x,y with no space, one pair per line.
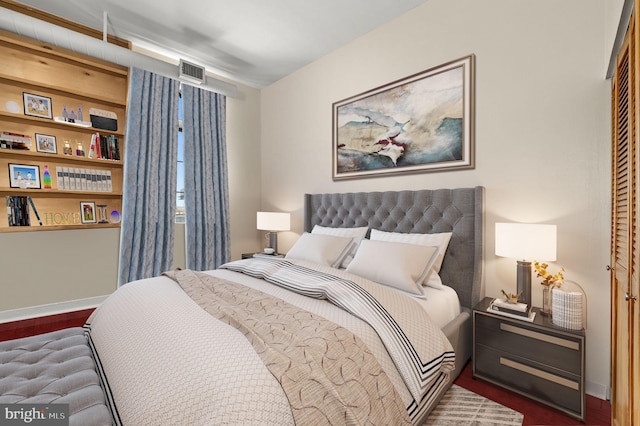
300,340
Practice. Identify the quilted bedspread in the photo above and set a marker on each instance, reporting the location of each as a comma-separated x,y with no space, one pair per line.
165,360
327,373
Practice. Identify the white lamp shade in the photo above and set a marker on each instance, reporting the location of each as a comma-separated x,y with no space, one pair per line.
526,241
268,221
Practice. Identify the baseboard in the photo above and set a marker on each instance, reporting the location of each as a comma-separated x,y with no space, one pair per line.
50,309
597,389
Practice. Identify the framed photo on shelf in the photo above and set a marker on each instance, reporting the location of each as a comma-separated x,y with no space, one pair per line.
46,143
36,105
24,176
88,211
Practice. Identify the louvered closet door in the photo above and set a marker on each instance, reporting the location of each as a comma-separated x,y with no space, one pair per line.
625,256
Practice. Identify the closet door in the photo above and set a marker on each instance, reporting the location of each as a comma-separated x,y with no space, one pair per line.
625,255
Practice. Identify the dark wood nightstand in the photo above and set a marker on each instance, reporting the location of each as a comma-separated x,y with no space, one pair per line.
535,359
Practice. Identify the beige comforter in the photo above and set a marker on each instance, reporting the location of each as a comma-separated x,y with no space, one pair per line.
327,373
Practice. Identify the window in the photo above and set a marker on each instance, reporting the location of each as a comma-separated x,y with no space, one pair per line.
180,213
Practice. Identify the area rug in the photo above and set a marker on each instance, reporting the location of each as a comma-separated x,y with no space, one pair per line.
460,407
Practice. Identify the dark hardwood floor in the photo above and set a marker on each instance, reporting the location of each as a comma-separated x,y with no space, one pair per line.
33,326
598,411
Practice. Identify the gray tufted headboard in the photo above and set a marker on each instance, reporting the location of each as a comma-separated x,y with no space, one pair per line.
459,210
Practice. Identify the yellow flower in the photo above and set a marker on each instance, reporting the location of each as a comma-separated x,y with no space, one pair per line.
548,278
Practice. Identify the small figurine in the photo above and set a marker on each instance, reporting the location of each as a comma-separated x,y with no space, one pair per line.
67,148
511,298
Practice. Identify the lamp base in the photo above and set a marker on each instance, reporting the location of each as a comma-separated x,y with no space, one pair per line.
524,282
273,241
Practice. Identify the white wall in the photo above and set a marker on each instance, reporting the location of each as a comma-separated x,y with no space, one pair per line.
243,155
45,267
542,129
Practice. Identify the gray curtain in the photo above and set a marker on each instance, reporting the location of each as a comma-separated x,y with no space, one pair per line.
149,195
206,187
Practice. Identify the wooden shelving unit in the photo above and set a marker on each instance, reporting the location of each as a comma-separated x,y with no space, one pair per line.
69,80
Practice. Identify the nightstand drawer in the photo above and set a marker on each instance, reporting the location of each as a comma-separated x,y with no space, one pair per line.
553,387
520,340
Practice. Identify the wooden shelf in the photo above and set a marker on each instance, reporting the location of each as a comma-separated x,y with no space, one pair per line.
39,156
55,193
38,228
43,122
38,86
43,48
70,81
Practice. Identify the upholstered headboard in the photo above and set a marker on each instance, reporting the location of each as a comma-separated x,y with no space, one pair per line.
459,210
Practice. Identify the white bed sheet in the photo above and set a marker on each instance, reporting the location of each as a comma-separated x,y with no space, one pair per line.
442,305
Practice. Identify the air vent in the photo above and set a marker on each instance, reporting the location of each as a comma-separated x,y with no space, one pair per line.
192,72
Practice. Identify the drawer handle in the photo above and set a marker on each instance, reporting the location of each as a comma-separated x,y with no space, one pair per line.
540,336
539,373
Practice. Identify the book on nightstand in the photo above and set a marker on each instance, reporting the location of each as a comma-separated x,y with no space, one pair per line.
519,311
259,254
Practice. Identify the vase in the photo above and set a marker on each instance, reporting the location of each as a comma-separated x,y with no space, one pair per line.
547,300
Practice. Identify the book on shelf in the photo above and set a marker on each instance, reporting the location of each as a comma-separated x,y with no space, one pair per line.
109,183
18,210
10,140
92,146
497,307
107,147
60,176
83,179
66,178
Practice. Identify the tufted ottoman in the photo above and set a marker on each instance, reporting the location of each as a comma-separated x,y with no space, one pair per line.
54,368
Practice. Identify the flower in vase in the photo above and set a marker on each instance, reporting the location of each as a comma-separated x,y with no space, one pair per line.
548,279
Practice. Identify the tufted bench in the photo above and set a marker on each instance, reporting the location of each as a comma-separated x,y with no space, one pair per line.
54,368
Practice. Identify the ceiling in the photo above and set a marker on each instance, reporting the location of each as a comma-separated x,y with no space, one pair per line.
253,42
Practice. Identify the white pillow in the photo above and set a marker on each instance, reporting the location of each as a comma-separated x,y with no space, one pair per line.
440,240
398,265
322,249
356,233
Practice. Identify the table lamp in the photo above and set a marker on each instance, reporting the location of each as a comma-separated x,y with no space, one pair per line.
526,242
273,222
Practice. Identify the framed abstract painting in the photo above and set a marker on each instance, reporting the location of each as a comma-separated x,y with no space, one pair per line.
421,123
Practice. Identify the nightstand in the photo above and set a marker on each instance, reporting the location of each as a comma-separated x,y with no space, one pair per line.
249,255
535,359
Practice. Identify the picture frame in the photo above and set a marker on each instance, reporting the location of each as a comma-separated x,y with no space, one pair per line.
88,212
37,106
421,123
24,176
46,143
